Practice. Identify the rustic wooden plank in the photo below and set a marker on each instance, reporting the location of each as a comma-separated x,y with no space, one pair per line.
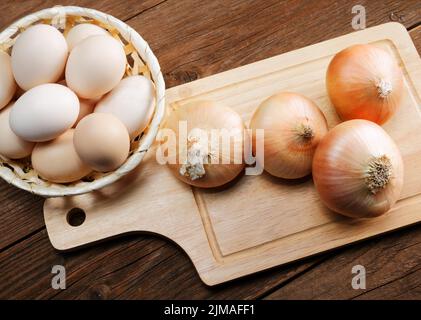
20,214
390,262
221,35
172,276
416,37
214,37
123,9
28,264
406,288
132,267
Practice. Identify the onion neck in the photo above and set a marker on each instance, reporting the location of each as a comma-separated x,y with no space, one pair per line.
384,88
197,156
378,174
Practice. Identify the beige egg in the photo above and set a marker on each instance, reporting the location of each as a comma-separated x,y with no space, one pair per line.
86,107
132,101
102,141
39,56
93,100
44,112
57,160
81,32
95,66
7,82
11,146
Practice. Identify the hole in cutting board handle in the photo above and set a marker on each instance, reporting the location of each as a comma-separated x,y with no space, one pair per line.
76,217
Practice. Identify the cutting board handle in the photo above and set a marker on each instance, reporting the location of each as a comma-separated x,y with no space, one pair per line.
148,200
70,224
137,201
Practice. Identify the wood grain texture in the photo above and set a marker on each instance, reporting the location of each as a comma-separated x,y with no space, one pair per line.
192,39
20,214
127,268
123,9
391,262
220,35
415,34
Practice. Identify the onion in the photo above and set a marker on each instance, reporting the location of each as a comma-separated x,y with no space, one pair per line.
203,160
364,82
358,169
293,126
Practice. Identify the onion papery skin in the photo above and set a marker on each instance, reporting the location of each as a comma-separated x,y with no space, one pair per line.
208,115
287,152
365,82
341,167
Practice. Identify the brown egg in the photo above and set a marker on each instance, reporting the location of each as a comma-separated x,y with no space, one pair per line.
39,56
57,160
11,146
82,31
102,141
86,107
7,82
95,66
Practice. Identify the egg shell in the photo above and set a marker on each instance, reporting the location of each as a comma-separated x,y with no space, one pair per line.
81,32
95,66
86,107
95,100
11,146
44,112
57,160
132,101
39,56
102,141
7,82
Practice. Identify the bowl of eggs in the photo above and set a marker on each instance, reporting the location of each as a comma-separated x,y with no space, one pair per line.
81,101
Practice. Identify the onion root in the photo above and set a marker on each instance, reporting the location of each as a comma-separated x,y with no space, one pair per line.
197,157
378,173
305,132
384,88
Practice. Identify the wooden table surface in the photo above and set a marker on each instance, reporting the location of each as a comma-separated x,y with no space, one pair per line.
195,39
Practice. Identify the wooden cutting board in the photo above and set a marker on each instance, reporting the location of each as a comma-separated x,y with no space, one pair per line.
257,222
